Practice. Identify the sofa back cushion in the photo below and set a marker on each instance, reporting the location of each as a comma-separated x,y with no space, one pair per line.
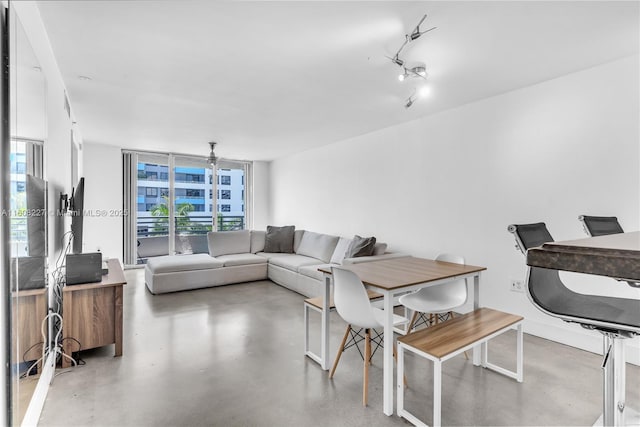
379,248
316,245
340,250
279,239
297,238
229,242
192,244
257,240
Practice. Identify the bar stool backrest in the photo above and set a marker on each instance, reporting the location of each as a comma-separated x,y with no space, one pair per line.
600,225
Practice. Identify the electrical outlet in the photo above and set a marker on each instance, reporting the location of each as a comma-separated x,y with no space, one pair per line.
517,285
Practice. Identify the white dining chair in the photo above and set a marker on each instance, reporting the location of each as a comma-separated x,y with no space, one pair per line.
436,301
353,305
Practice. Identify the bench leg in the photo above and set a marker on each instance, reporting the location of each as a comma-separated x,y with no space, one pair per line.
307,349
306,329
520,354
518,374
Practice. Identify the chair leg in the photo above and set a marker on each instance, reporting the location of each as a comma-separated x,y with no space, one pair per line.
367,356
340,350
413,321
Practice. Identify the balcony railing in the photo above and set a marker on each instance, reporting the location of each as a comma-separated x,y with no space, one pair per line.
156,226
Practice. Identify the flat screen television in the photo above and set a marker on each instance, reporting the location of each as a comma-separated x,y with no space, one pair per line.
36,195
27,272
76,204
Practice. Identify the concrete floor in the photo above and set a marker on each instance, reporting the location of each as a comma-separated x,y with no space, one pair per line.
232,356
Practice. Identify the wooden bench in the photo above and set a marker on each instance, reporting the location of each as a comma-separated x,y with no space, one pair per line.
316,305
446,340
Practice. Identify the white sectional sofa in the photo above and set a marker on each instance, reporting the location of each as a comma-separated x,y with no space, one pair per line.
239,256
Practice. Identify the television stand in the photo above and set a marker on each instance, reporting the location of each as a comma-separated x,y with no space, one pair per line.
92,313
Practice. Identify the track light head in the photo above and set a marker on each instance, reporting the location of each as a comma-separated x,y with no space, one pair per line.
399,62
409,102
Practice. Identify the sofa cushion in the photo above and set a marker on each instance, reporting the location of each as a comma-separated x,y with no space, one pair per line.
316,245
269,255
340,250
172,263
312,271
379,248
192,244
297,237
293,262
241,259
361,246
229,242
257,240
279,239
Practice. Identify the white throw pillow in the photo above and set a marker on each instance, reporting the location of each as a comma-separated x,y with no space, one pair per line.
341,249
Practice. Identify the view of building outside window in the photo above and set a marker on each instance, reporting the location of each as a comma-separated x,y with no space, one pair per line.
193,206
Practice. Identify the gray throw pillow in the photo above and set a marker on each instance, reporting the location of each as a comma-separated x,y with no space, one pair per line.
279,239
360,246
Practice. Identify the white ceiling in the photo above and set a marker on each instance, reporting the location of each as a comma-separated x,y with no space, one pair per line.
267,79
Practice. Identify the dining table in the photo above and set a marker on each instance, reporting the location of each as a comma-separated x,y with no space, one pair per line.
392,278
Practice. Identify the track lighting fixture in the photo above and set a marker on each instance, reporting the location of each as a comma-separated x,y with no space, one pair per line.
409,102
212,159
417,71
422,92
416,33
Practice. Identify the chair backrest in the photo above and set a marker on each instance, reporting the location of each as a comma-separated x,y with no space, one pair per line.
545,288
530,235
458,289
600,225
351,299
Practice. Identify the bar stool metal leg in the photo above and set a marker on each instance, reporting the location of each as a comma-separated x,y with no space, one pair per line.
613,381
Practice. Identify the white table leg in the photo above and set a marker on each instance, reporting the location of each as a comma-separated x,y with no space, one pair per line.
399,380
387,383
437,393
324,344
477,351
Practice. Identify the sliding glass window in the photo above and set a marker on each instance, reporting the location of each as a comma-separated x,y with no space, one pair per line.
172,198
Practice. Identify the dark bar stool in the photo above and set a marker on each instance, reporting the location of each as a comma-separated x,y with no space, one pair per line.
615,318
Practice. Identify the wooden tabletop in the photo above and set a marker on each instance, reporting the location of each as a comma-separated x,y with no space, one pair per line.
398,273
614,255
115,277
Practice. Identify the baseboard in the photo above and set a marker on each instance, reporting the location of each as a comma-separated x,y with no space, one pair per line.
32,416
575,336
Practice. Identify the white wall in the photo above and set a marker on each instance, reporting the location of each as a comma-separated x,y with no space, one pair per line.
103,200
454,181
